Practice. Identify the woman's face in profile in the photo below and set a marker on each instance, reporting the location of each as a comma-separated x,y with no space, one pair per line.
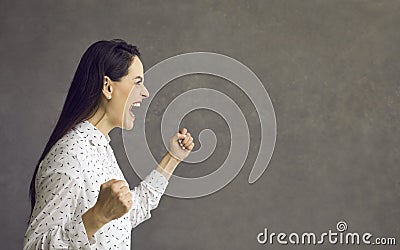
127,96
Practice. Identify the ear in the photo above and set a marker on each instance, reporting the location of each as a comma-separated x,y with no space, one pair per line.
107,87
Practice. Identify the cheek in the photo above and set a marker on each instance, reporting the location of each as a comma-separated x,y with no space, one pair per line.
124,93
120,99
127,96
133,93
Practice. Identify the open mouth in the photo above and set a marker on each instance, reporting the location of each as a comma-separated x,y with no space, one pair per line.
133,105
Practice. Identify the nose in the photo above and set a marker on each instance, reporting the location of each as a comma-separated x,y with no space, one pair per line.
144,93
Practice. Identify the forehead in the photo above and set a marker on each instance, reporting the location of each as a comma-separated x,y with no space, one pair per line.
136,67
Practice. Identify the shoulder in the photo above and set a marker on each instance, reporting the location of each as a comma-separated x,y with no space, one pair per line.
65,156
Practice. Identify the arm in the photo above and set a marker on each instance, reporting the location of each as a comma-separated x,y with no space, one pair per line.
167,165
92,221
113,201
57,221
180,146
147,195
54,223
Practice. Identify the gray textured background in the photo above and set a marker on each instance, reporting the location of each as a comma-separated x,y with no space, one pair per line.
331,69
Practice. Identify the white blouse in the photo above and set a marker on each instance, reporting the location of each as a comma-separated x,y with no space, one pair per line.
67,185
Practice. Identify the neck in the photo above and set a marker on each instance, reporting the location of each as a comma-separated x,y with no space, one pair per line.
101,122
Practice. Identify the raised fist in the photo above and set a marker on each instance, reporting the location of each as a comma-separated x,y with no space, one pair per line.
114,200
181,144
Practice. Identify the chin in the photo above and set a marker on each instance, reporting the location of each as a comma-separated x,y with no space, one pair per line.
128,124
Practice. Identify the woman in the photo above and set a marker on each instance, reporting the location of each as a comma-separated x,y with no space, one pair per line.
79,196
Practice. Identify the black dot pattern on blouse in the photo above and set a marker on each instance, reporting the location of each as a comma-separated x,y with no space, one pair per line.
67,185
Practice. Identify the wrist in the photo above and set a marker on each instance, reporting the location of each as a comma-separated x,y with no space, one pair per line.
167,165
91,222
95,217
172,158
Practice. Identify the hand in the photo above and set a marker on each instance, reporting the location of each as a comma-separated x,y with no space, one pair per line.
114,200
181,144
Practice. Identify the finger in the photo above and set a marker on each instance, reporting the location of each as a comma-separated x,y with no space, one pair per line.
183,131
108,183
126,197
125,190
190,147
117,185
186,139
128,204
181,136
188,142
127,200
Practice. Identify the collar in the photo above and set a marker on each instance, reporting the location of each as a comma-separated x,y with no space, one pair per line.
93,134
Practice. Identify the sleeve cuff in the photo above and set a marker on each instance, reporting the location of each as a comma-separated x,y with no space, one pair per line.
77,234
157,181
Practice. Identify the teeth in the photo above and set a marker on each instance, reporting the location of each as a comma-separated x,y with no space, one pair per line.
137,104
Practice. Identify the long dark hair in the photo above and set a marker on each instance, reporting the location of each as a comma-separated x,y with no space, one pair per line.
103,58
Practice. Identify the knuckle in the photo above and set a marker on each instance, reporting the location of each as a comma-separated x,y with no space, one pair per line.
114,189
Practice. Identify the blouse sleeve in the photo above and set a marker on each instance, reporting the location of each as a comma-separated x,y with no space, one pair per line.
55,223
146,197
